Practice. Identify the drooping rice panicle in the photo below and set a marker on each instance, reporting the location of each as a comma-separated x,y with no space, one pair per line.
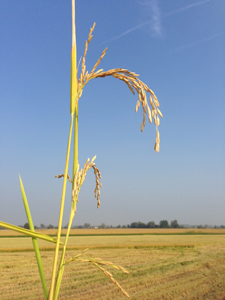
131,80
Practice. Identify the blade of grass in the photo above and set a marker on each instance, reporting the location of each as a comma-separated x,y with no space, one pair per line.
34,240
29,232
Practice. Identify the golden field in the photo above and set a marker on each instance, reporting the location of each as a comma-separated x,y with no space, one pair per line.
163,264
122,231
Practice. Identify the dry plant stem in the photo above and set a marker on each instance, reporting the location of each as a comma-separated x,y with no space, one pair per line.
54,270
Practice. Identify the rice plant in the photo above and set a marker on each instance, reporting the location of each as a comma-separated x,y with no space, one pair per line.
149,108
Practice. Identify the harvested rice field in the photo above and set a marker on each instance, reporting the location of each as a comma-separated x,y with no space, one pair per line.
163,264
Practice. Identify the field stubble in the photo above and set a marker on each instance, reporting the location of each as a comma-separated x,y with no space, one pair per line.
161,267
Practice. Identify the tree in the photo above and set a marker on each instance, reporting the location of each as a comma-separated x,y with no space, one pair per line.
134,225
141,225
199,226
42,226
102,225
26,225
174,224
164,224
151,224
50,226
87,225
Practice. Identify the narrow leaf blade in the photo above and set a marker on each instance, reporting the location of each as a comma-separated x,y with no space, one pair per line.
29,232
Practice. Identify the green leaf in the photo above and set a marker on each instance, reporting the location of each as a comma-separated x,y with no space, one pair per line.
34,240
29,232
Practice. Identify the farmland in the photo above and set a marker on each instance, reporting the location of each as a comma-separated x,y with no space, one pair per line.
163,264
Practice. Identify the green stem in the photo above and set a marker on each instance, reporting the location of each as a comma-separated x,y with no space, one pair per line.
61,212
75,149
61,265
73,206
55,286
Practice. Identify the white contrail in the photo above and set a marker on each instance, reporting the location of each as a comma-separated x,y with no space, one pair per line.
126,32
186,8
156,23
156,18
207,39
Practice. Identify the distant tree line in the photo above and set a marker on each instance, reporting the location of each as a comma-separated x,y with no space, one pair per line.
42,226
151,224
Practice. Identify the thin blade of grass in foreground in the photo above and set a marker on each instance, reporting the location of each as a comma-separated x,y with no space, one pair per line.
29,232
34,240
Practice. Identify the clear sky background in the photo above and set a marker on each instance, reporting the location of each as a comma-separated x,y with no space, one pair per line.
177,47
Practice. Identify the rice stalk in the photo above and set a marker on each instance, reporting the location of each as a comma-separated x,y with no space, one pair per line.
54,269
150,109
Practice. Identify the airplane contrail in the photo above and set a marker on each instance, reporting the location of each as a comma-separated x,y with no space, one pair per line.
186,8
126,32
149,22
190,45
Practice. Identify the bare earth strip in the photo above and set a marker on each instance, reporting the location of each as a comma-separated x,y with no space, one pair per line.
161,267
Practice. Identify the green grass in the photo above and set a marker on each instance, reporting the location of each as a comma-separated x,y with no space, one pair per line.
161,267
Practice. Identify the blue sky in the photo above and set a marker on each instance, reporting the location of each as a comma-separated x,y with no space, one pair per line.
177,47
